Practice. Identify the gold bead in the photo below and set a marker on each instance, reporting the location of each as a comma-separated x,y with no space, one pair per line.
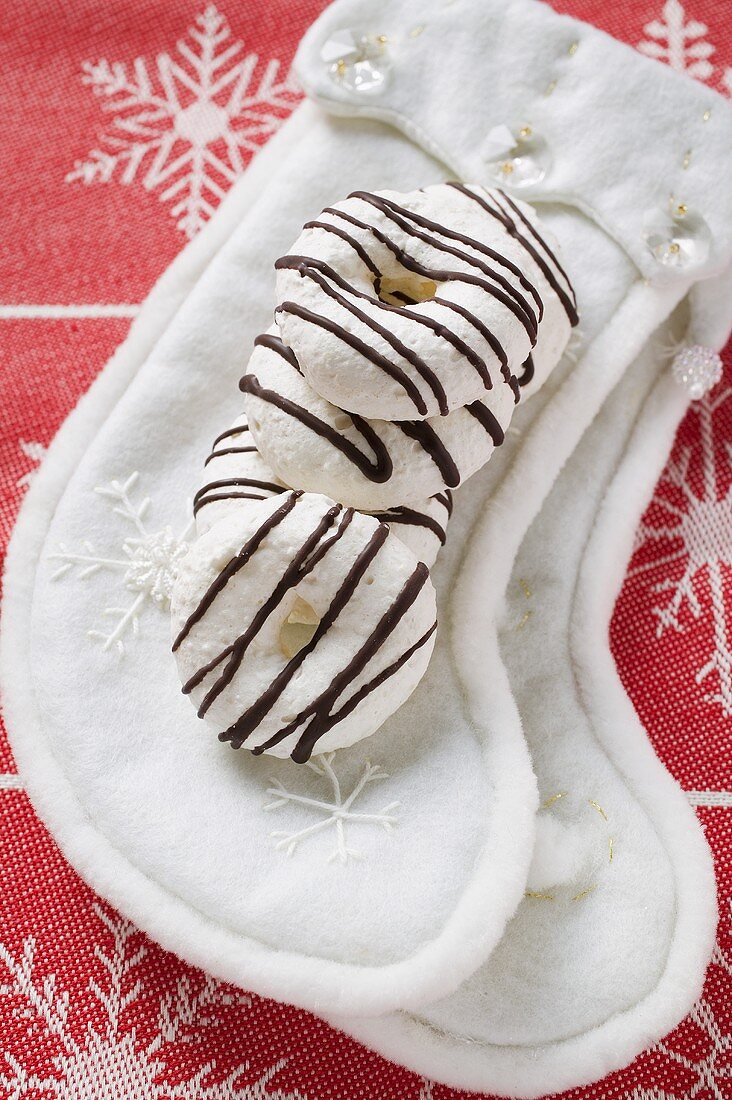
525,132
507,168
550,87
381,39
341,67
681,210
687,159
674,248
707,115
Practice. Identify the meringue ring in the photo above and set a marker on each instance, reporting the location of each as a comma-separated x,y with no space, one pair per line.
408,306
372,465
235,475
300,625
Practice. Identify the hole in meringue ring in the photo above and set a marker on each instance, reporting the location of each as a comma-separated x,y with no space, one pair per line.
406,290
298,628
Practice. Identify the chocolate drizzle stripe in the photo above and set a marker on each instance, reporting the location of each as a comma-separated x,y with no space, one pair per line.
486,418
233,496
527,373
274,343
428,439
438,276
237,562
236,430
353,243
307,557
383,676
235,482
307,266
395,372
504,291
230,451
477,246
501,214
413,518
318,711
378,470
250,719
446,500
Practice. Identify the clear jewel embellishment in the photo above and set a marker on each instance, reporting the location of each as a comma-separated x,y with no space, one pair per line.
516,157
697,369
357,62
677,237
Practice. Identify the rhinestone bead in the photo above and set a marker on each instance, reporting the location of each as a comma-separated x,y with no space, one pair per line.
677,237
697,369
357,62
515,157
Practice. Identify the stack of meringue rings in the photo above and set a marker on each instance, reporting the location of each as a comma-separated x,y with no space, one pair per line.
408,328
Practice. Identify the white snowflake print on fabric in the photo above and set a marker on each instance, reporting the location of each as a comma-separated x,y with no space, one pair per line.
705,1051
93,1062
147,568
697,534
186,126
334,812
679,41
35,453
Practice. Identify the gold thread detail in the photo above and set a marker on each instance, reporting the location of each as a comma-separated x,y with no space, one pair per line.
416,31
598,807
524,619
550,87
585,893
525,588
687,159
707,115
539,897
610,849
573,49
554,798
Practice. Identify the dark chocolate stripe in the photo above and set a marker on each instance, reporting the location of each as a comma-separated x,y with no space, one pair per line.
232,483
428,439
485,417
250,719
413,518
504,292
395,372
237,430
446,499
230,451
237,562
499,212
377,470
307,557
307,267
354,244
275,343
322,720
527,373
383,676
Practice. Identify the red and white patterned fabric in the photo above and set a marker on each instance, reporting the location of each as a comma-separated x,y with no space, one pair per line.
125,123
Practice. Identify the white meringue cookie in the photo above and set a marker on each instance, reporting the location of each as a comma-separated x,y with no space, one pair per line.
235,475
369,464
300,625
407,306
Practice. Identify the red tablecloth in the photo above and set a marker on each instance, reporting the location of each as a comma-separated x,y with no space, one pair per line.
113,156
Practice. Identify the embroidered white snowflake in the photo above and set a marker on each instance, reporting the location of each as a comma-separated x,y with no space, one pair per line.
35,453
148,566
186,125
698,534
93,1063
679,42
334,812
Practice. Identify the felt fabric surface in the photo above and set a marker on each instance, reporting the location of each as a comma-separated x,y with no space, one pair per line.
383,1088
